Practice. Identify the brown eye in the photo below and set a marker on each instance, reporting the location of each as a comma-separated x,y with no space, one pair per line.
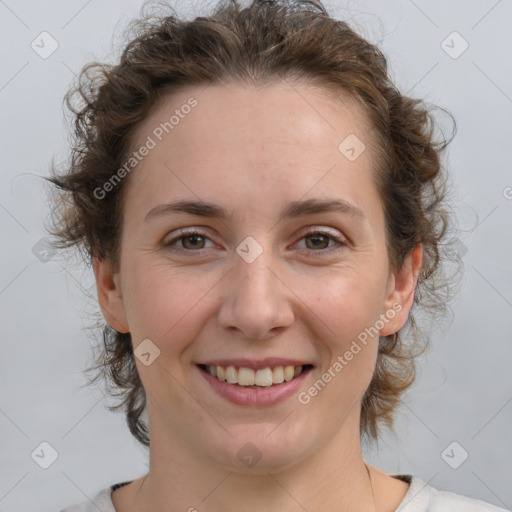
194,241
318,241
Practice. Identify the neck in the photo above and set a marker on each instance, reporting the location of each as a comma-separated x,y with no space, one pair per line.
333,476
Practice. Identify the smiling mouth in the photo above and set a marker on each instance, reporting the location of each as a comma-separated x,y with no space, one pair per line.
248,378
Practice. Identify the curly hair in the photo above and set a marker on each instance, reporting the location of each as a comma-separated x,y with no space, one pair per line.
259,44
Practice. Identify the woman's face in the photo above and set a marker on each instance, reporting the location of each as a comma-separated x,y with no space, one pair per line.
274,282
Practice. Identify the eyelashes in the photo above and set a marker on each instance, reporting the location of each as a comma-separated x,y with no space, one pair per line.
191,234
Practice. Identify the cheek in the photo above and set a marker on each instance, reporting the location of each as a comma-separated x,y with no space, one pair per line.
347,301
347,311
166,304
347,307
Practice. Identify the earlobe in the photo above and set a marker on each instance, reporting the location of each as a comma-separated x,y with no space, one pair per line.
110,295
401,292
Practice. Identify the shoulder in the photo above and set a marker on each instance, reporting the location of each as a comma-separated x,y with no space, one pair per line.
449,501
422,497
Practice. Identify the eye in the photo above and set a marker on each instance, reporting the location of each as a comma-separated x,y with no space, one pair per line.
320,240
192,240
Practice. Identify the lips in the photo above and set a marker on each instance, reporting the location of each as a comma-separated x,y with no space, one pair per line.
254,395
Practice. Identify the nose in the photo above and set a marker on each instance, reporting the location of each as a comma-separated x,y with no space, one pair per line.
257,301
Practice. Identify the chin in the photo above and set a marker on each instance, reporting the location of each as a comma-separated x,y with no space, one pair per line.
253,452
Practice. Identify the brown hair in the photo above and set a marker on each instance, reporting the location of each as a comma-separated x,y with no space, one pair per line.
255,45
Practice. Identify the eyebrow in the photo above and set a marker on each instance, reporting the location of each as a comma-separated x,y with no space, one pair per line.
294,209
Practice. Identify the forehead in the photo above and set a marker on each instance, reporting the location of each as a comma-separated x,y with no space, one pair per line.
280,112
233,134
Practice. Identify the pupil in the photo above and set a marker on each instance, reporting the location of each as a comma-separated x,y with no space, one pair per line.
320,238
195,238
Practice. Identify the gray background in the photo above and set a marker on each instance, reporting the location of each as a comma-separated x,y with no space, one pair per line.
463,392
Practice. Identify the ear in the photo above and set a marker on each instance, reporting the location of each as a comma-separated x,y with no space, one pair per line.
109,295
400,293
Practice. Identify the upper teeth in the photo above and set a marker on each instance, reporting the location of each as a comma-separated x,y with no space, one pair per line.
248,377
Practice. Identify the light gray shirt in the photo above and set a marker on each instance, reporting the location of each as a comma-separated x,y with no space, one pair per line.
421,497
